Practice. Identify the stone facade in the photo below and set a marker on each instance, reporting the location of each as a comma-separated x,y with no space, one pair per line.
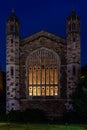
41,70
73,52
42,40
12,63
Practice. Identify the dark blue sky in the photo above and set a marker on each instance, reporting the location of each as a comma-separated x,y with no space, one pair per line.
49,15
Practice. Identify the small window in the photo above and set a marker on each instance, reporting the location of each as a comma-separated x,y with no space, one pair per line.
11,40
73,26
12,72
74,70
74,39
8,93
12,29
12,104
70,27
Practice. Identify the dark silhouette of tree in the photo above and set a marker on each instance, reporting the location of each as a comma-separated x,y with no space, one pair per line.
79,97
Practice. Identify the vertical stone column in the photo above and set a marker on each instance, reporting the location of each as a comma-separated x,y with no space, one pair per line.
12,63
73,52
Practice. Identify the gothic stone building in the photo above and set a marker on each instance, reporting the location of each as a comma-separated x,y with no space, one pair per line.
41,70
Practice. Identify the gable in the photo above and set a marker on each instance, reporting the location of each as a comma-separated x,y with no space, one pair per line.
43,34
43,40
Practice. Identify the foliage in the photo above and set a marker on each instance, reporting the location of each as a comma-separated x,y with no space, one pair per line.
30,115
80,95
11,126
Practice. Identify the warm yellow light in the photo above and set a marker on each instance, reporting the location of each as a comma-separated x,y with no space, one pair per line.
51,75
51,91
38,91
34,91
47,91
56,91
30,75
38,76
43,91
34,75
43,74
30,91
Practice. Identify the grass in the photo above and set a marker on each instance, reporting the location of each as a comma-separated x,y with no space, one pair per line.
6,126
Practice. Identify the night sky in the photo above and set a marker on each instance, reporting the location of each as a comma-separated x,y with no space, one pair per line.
36,15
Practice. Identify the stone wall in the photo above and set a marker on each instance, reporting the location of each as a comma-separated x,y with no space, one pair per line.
37,41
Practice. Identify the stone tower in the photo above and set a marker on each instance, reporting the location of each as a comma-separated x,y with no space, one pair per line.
49,67
12,63
73,51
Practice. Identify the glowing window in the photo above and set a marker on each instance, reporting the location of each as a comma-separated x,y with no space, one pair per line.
51,75
47,91
34,75
34,91
38,76
43,91
38,91
47,75
30,91
56,90
51,91
30,75
43,73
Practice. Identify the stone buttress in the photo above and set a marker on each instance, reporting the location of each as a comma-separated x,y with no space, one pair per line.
73,52
12,63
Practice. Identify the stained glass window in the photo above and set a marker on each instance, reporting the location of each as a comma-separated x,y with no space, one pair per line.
43,74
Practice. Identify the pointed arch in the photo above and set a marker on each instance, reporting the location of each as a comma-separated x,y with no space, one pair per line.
42,73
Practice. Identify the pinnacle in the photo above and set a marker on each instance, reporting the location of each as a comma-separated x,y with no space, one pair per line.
12,10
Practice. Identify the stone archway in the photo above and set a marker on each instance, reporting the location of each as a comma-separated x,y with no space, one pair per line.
43,74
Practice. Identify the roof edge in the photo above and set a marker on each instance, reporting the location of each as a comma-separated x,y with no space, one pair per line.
42,33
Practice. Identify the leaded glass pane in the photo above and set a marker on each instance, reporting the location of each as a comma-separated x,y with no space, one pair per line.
43,73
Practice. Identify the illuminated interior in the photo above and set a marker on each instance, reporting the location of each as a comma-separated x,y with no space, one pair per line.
43,74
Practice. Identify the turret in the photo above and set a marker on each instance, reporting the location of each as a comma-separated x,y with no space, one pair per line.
73,51
12,63
12,25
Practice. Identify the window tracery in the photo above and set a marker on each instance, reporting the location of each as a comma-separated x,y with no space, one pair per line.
43,74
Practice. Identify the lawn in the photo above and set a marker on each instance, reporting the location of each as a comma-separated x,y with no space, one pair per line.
5,126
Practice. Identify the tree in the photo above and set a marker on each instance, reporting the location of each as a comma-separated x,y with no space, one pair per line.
79,97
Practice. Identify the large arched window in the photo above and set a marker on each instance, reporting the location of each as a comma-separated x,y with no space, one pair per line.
43,73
